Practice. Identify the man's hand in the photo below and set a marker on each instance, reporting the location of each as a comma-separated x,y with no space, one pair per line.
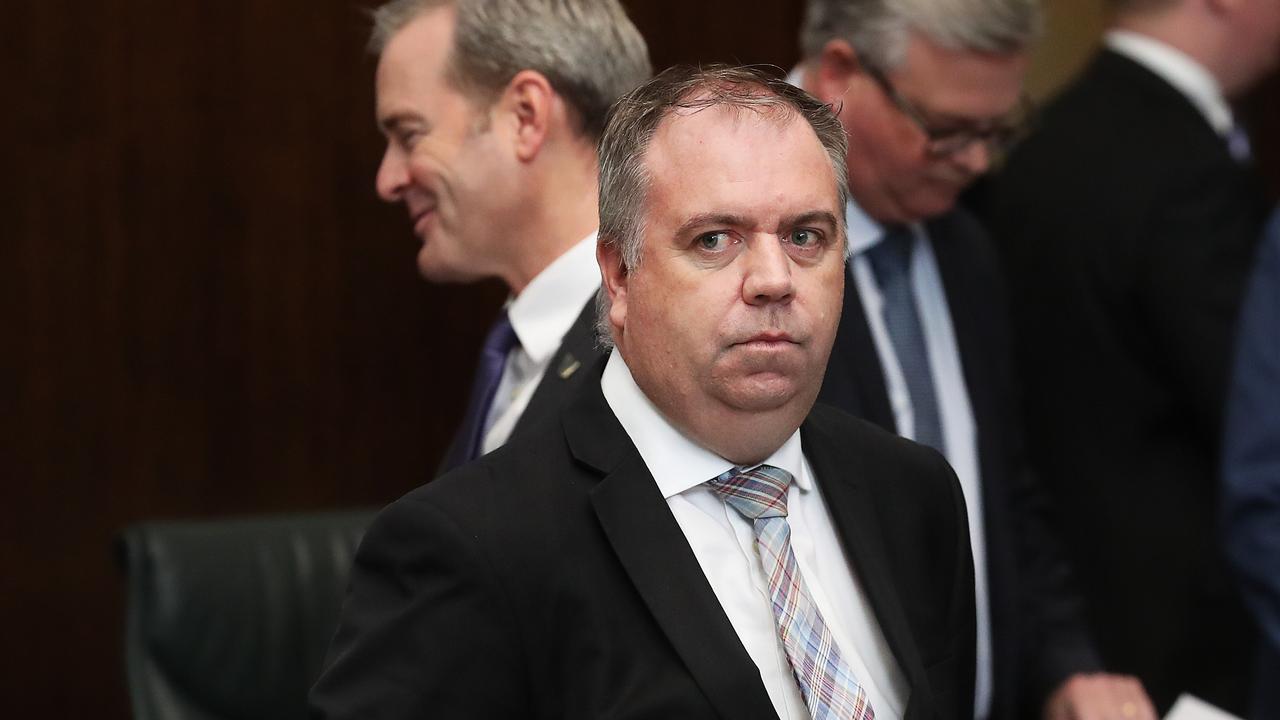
1099,696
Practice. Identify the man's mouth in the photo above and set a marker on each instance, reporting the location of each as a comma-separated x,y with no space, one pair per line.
767,340
420,219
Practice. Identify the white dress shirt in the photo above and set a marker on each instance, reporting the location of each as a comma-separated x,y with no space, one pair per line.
1179,70
724,544
540,316
959,431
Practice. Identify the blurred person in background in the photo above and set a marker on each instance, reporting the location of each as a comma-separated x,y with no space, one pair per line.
1251,465
491,111
927,91
1128,222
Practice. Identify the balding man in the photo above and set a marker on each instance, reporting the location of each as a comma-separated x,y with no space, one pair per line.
692,538
928,91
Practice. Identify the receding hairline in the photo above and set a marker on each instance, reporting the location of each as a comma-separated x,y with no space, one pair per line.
773,110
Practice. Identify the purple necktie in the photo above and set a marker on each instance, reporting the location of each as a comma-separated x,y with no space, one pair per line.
493,359
1238,145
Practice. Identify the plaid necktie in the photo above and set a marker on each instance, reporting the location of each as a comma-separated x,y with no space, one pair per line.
826,681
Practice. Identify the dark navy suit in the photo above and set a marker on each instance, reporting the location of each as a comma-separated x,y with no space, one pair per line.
1251,464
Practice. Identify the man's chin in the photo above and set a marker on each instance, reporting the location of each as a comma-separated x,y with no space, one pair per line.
761,392
441,270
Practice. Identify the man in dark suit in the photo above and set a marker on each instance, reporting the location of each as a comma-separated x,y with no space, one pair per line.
1128,222
492,111
689,540
926,91
1251,465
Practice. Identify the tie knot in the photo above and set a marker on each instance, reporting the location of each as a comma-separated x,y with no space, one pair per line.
1238,144
891,257
759,492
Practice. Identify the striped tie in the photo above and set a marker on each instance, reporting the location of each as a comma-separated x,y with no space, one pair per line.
826,681
891,263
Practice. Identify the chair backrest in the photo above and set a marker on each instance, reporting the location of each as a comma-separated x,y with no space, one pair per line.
231,619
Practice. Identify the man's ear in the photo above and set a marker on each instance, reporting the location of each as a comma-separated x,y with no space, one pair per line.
527,105
614,278
836,68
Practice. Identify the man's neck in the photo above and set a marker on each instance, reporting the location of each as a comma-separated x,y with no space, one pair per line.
1196,34
562,211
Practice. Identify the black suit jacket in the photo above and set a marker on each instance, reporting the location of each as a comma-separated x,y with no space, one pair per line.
1038,636
549,579
1128,231
578,351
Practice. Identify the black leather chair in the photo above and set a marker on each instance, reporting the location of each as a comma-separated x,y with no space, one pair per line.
231,619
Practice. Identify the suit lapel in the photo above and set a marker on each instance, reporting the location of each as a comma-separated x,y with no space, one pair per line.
656,556
957,258
569,365
855,378
841,475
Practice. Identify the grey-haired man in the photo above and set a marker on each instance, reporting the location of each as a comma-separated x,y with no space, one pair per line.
928,91
491,111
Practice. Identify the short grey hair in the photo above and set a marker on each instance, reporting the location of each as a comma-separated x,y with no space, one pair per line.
634,121
588,50
879,29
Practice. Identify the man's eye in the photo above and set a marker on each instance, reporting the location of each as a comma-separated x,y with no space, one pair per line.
408,139
713,240
803,237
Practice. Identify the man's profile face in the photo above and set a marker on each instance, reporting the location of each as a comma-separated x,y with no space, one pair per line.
892,173
733,308
440,161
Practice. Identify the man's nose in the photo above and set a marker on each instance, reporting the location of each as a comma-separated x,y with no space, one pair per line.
975,157
393,175
768,272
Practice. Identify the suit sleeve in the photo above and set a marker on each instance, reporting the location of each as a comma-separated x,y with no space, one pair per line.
1055,643
1053,640
1251,458
963,615
424,631
1199,248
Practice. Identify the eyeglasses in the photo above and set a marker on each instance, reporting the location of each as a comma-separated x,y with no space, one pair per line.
999,135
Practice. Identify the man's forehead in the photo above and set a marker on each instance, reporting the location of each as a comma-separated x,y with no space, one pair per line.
963,84
708,158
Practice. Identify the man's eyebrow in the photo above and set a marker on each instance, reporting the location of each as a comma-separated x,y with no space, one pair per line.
392,122
719,219
813,217
713,219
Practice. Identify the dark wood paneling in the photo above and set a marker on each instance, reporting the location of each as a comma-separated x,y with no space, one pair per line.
1261,111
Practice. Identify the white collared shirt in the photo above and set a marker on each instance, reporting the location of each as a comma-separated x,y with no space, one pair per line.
1179,70
959,431
540,315
724,544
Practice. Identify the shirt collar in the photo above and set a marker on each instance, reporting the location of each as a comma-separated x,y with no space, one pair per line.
1179,70
547,307
863,232
676,462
